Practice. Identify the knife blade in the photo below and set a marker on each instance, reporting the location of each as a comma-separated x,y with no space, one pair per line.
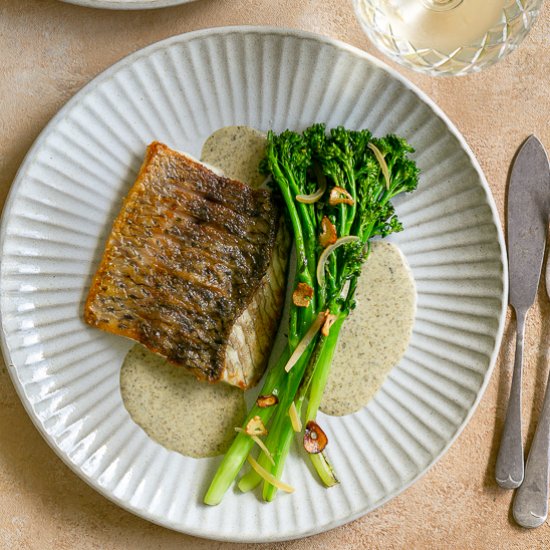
528,192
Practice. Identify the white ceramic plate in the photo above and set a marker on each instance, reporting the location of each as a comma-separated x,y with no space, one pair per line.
127,4
70,187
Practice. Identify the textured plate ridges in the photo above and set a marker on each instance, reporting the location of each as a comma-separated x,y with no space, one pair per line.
179,91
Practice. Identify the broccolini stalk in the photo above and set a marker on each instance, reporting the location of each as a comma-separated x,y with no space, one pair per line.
362,175
242,444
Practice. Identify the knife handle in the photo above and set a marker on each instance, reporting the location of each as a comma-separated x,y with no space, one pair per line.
509,466
531,502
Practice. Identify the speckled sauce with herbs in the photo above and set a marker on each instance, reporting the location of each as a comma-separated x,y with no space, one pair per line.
194,418
198,419
237,151
376,334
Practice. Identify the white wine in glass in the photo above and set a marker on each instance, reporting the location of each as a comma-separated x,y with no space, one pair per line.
447,37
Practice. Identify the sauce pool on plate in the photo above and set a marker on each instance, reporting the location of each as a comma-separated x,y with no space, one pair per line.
237,152
375,335
195,418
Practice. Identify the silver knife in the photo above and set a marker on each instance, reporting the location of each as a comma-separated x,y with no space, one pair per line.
530,507
527,221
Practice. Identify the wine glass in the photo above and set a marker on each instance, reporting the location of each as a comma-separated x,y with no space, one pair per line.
446,37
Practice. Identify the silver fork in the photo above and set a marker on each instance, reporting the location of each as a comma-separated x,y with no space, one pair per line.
530,507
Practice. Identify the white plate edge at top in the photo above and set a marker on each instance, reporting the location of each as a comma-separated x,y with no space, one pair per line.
127,4
130,58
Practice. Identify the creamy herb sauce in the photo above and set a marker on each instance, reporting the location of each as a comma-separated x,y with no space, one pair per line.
376,334
198,419
182,414
237,151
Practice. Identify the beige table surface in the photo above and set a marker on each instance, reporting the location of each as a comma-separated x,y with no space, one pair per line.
48,50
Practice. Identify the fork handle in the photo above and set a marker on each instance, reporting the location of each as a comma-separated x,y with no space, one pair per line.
531,502
509,466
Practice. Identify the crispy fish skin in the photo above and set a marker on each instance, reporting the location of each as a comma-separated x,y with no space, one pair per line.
189,252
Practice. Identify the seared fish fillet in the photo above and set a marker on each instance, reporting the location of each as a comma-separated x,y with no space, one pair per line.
194,269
